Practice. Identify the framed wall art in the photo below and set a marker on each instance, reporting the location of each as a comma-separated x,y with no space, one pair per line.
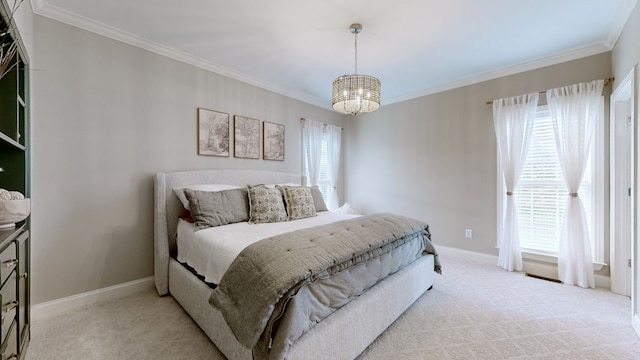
213,133
272,141
246,137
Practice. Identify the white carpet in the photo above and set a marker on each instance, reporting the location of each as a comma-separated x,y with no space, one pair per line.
474,311
478,311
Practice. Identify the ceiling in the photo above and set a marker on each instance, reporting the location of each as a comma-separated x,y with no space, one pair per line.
297,47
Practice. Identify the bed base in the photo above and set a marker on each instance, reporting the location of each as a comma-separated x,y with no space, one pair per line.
342,335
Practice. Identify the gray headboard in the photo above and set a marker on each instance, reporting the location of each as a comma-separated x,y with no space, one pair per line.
167,207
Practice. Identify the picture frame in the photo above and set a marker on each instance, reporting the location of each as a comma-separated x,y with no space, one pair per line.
246,137
213,133
273,140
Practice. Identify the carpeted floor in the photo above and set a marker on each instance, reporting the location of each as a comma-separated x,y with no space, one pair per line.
474,311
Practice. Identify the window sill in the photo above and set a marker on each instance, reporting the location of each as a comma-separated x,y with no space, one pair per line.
551,258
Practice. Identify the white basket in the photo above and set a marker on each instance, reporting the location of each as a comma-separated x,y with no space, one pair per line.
13,211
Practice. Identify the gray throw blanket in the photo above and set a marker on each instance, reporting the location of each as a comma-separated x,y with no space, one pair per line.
267,270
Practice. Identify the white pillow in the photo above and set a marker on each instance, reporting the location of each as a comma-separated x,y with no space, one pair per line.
271,186
179,191
346,209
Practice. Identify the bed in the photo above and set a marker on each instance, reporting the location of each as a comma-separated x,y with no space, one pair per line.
342,335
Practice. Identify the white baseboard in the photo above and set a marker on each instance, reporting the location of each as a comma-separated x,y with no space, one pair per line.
467,255
635,322
540,268
56,307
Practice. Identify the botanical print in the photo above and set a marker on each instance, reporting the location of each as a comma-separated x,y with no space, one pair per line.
273,141
213,133
246,133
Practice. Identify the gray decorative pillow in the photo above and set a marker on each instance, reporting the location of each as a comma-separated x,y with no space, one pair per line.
179,191
318,200
215,208
299,201
265,205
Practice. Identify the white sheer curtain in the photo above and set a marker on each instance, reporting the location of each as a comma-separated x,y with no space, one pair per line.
333,135
574,111
513,121
312,134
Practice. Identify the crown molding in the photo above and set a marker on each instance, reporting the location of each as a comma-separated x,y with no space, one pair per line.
41,7
620,18
506,71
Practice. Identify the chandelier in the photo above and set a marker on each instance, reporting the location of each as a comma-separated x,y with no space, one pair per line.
355,94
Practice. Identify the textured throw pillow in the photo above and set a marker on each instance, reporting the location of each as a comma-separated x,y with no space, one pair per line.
215,208
298,201
179,191
265,205
318,200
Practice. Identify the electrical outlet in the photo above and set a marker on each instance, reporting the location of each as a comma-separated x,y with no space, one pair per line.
468,233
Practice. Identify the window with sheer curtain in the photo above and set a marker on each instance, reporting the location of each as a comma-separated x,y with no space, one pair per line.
324,181
541,194
321,158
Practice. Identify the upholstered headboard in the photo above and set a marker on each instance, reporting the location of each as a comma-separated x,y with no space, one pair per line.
167,206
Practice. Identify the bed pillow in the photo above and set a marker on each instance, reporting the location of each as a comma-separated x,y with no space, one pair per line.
186,216
298,201
215,208
179,191
318,200
283,184
265,205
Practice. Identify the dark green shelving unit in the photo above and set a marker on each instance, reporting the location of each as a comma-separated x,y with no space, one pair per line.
14,162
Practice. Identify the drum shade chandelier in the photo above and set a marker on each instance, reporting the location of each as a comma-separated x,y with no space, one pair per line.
355,94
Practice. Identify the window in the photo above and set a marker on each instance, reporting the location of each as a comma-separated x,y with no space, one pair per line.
321,157
541,194
324,181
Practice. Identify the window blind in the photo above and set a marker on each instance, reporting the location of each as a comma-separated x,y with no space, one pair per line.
541,193
324,182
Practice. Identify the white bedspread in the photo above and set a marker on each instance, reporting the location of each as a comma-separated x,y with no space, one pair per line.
211,251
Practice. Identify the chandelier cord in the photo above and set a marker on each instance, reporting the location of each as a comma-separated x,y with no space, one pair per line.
356,52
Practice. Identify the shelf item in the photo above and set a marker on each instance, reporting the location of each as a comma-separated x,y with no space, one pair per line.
13,211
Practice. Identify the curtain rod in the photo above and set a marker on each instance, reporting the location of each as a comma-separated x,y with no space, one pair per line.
303,120
607,81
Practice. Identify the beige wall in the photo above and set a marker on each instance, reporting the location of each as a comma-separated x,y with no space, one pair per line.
626,53
106,116
625,57
434,157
